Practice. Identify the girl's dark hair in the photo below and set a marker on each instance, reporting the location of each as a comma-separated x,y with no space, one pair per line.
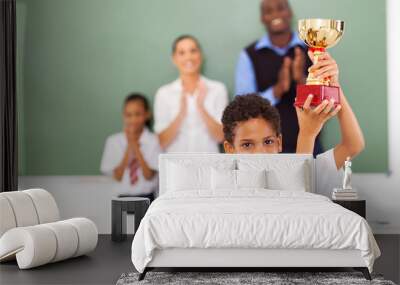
184,37
246,107
132,97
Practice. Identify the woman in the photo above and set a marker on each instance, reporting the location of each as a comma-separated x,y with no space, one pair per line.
188,111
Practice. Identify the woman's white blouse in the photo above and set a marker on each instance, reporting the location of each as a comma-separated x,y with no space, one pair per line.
193,135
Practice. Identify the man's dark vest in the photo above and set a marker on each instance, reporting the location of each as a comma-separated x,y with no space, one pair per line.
267,64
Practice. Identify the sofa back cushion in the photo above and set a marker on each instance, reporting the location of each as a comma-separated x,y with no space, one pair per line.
27,208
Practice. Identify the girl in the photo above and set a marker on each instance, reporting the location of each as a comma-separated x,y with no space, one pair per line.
131,156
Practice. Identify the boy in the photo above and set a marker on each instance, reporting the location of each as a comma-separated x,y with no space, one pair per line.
131,157
252,125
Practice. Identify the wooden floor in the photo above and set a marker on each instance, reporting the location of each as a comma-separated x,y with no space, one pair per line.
110,260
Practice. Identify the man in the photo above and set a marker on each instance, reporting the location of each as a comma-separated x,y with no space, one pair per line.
274,65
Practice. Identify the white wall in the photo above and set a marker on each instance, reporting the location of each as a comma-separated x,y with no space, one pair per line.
91,196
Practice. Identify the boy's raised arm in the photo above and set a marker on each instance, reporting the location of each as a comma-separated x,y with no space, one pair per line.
352,142
311,121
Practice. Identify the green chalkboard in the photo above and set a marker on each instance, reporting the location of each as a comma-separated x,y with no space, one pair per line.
79,58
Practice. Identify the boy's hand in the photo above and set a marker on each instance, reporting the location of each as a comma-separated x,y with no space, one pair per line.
326,67
311,120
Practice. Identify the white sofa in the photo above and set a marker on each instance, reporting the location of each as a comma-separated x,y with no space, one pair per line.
31,231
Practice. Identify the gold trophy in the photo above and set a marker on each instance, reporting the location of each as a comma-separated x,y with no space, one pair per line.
318,35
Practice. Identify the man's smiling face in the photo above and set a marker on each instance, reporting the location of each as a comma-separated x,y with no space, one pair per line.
276,15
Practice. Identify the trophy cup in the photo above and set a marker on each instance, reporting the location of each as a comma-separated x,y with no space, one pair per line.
319,34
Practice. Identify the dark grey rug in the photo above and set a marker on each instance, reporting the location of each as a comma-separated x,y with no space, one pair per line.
243,278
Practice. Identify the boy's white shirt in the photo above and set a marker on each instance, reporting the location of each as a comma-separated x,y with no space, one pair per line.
327,175
114,151
193,135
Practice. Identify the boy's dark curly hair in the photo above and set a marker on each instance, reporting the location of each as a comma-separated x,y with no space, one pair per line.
246,107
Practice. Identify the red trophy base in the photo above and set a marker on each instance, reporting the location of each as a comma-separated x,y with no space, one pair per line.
320,92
